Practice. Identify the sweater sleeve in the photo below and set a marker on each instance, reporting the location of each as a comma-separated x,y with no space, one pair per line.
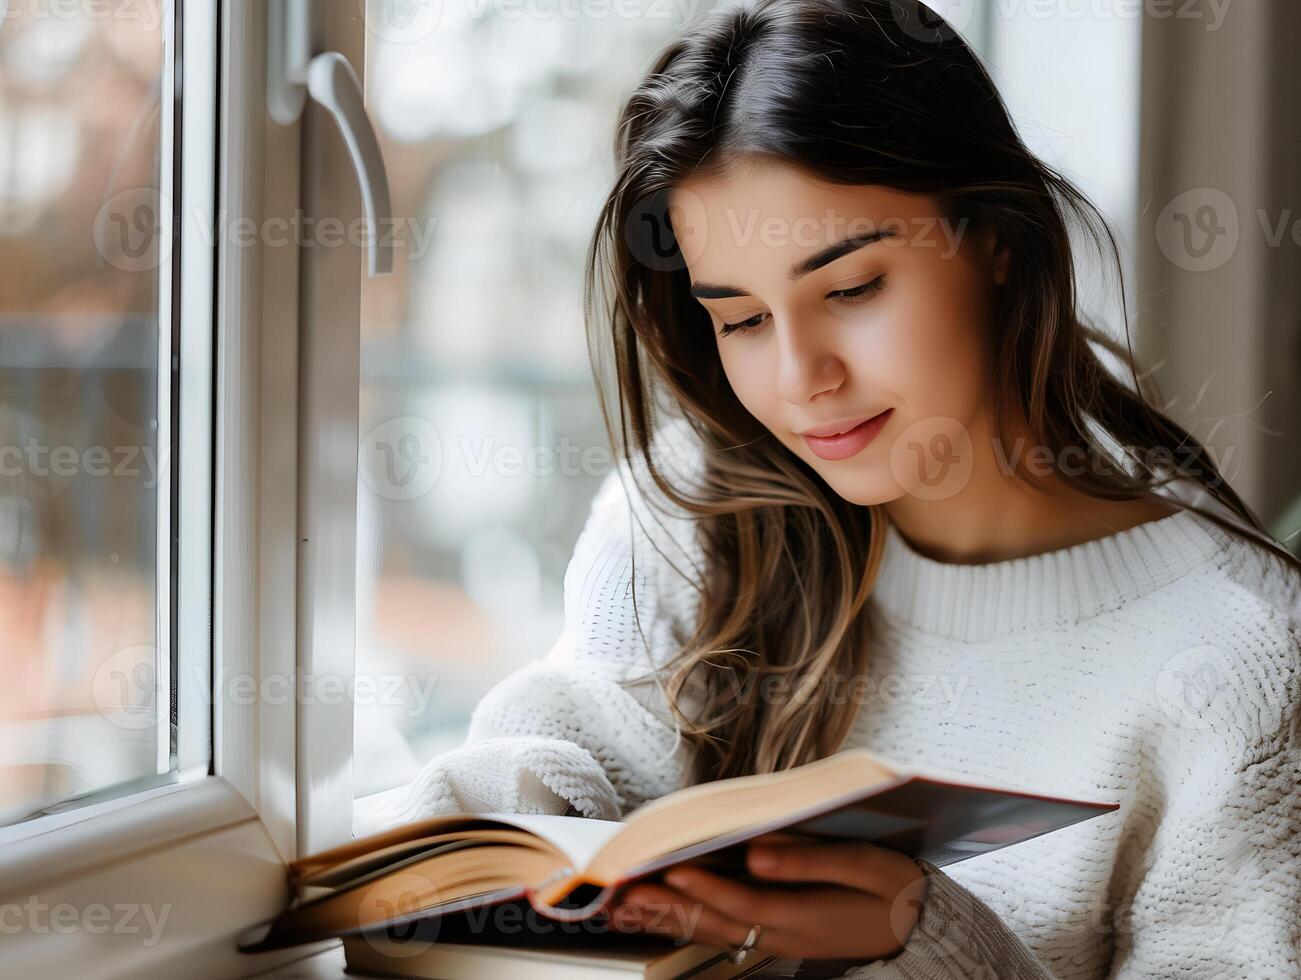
1216,890
585,729
957,937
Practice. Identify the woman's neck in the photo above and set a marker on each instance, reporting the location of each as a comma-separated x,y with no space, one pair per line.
996,517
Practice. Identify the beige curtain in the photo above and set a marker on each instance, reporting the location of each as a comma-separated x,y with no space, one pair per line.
1218,290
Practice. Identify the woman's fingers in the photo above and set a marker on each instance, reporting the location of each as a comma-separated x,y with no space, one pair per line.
666,911
804,911
856,895
738,901
854,864
831,920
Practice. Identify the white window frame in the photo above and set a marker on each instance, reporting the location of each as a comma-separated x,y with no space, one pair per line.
329,372
208,849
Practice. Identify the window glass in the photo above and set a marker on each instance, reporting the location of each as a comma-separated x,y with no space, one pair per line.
84,702
1085,124
481,441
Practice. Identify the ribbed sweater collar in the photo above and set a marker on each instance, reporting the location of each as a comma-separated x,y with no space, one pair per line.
1055,588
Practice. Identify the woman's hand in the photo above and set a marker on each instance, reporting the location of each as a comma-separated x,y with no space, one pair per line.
829,900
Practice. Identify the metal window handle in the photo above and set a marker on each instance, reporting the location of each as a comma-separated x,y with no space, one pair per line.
291,74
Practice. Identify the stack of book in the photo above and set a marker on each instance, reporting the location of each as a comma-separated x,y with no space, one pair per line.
634,959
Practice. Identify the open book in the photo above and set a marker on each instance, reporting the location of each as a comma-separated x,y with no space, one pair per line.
569,869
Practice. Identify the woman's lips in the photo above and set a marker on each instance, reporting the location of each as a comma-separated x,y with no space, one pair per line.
848,443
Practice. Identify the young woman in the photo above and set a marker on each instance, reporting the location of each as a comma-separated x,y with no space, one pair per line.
1010,565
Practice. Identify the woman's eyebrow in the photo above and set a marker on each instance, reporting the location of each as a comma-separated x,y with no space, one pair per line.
836,250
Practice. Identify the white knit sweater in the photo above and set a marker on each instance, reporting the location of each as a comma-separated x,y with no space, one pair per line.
1159,667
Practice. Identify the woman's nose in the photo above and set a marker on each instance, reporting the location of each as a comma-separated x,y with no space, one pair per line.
808,362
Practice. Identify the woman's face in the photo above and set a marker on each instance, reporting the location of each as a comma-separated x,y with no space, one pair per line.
897,328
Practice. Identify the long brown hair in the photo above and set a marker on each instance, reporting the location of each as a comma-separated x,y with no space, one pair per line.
854,92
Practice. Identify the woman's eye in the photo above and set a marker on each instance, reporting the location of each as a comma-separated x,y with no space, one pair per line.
856,294
860,293
744,326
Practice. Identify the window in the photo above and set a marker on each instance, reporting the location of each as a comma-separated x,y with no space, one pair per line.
111,144
103,558
481,441
1085,123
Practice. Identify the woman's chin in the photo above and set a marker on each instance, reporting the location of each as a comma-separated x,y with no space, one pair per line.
866,486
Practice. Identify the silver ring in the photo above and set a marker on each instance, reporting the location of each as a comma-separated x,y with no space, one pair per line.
739,953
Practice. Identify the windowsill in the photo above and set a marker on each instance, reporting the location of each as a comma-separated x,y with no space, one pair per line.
181,872
47,849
